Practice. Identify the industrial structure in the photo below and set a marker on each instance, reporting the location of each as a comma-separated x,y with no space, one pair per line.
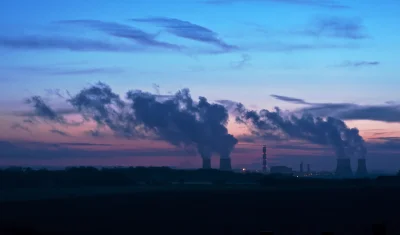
281,170
206,163
343,168
225,163
361,168
264,156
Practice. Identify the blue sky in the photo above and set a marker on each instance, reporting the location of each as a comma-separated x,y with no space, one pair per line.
320,51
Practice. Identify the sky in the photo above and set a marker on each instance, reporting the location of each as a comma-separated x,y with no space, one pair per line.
328,58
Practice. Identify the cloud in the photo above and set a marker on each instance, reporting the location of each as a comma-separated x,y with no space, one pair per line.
230,105
188,30
335,27
291,47
67,71
385,113
190,124
391,102
315,3
179,120
44,111
81,144
59,132
59,111
95,133
122,31
41,151
325,132
18,126
290,99
141,41
40,42
349,111
386,143
245,59
359,63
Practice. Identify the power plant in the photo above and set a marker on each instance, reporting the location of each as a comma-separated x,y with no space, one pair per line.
225,163
361,168
343,168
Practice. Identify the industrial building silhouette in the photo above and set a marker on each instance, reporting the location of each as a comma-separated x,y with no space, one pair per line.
343,166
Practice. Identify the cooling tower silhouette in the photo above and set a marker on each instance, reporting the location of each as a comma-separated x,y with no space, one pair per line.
225,164
207,163
343,168
362,168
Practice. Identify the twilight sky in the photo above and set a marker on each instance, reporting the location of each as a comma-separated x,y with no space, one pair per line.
329,58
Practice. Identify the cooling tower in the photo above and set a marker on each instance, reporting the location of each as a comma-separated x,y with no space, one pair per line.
362,168
206,163
343,168
225,164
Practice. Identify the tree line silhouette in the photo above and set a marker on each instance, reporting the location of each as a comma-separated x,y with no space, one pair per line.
19,177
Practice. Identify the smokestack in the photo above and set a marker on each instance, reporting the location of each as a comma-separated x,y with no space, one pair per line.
362,168
264,158
206,163
301,168
225,164
308,169
343,168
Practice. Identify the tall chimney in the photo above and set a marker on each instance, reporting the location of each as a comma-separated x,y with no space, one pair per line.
264,156
206,163
343,168
301,168
308,169
225,163
362,168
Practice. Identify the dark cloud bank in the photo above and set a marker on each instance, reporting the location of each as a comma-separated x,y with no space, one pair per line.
200,126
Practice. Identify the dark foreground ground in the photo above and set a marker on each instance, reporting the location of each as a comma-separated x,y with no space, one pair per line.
227,211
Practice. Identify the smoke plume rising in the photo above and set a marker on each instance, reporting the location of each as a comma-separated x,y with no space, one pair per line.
197,124
322,131
178,120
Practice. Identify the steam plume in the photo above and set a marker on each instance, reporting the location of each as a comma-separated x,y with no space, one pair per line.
317,130
178,120
197,124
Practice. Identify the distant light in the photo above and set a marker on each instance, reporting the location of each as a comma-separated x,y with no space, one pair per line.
244,169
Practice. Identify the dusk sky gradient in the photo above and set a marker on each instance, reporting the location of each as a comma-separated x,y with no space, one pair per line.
330,58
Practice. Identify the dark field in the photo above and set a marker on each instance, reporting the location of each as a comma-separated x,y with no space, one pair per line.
227,211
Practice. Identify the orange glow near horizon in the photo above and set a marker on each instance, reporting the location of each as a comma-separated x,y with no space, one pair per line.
244,155
41,132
